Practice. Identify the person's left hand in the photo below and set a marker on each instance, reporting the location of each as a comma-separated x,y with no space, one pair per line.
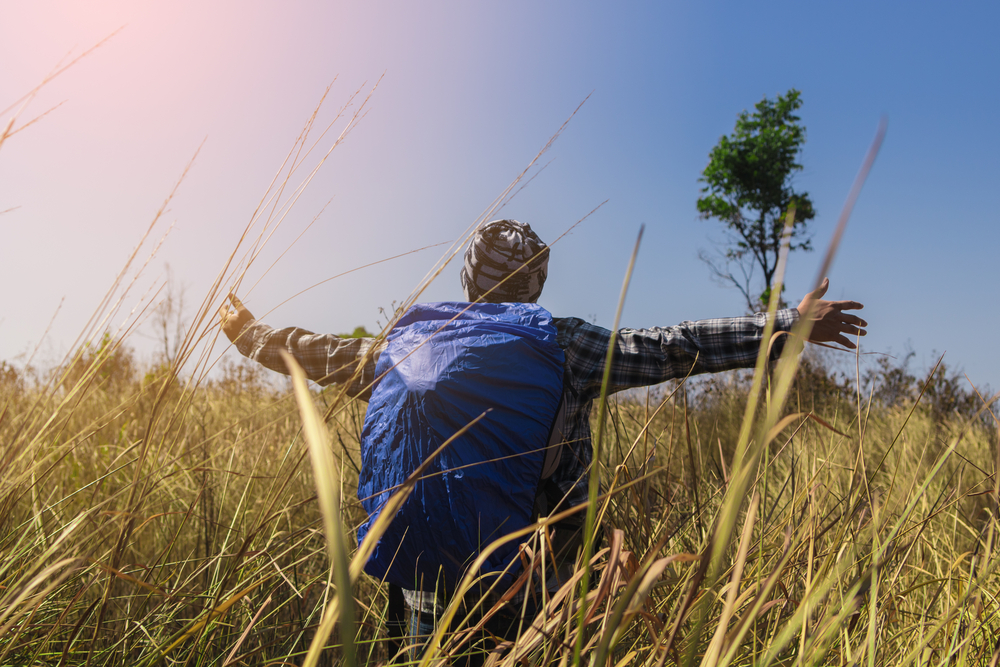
233,321
830,323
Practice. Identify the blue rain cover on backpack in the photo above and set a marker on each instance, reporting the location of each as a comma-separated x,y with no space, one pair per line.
439,375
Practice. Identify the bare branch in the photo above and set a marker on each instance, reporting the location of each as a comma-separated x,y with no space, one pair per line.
719,267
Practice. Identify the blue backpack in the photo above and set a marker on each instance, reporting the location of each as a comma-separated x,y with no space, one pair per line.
444,365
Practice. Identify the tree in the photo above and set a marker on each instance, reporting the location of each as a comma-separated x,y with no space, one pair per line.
748,187
168,319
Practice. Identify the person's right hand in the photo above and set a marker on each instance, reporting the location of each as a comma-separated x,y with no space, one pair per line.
830,323
233,321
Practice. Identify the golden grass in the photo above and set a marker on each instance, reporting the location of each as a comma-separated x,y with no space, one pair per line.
875,545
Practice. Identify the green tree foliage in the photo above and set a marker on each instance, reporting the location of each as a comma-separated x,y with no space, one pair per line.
748,188
359,332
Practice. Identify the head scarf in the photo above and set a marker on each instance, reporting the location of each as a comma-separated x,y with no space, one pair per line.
505,261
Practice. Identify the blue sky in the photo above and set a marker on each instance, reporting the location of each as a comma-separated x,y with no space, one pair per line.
470,93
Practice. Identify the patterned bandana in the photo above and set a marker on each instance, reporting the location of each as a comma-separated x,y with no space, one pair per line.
500,249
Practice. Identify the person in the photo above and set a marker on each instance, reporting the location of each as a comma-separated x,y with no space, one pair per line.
507,262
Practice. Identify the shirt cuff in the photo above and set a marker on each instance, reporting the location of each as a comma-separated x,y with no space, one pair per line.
785,319
248,337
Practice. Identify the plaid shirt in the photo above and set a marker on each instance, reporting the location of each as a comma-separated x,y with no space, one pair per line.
642,357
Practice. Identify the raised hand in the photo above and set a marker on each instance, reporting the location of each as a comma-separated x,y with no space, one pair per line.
233,320
830,323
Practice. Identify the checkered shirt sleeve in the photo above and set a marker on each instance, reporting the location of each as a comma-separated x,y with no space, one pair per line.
325,358
645,357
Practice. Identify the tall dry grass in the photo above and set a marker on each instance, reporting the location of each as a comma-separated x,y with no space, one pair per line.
867,539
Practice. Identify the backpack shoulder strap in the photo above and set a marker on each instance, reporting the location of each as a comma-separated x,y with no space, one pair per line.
396,624
553,451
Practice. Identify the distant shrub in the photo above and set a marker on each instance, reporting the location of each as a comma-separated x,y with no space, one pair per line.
110,364
946,392
11,379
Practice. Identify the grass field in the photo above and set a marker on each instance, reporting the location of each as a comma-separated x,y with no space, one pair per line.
144,519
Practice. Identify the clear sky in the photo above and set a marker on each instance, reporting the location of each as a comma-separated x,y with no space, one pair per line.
470,93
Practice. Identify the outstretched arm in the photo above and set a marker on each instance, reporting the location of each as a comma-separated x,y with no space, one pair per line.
649,356
325,358
830,323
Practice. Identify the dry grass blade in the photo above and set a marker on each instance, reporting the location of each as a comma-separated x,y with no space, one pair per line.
26,99
243,637
604,586
328,492
852,198
497,203
717,645
632,599
595,477
16,605
214,614
748,454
